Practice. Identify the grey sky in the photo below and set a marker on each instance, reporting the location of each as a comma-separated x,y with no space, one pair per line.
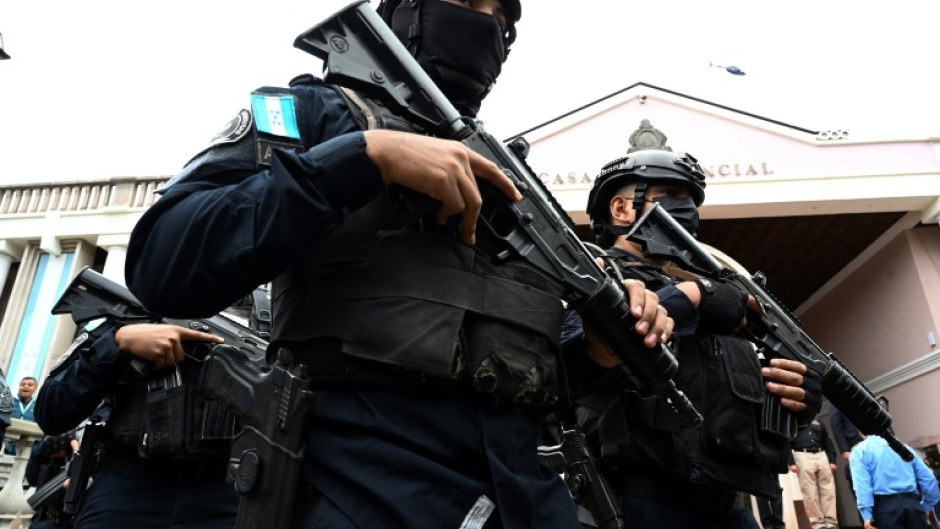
106,88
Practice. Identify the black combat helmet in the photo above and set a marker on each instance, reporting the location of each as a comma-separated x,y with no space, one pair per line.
648,166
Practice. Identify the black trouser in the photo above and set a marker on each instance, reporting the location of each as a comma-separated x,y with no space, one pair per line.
158,494
771,512
651,500
899,511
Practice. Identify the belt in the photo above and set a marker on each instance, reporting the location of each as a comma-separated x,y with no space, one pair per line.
899,495
810,450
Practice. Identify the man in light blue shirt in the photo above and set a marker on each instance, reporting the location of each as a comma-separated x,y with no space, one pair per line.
890,492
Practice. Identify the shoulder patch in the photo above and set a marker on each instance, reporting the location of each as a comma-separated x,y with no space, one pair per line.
82,338
275,114
234,130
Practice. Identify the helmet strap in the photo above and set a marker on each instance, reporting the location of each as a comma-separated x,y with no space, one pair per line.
639,198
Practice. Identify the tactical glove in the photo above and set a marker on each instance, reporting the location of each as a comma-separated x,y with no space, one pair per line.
721,309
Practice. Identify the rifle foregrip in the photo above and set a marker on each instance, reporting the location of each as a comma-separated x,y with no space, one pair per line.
858,405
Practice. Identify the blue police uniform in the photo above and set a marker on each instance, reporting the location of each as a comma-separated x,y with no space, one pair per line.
890,491
128,490
386,446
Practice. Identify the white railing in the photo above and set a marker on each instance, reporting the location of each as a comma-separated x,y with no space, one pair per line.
14,511
79,196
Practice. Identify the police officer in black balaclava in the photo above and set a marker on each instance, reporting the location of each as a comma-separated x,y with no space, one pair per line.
431,362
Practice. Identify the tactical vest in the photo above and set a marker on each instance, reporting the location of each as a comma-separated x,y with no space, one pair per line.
721,376
166,414
397,291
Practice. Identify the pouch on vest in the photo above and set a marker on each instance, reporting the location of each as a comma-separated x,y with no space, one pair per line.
722,377
166,415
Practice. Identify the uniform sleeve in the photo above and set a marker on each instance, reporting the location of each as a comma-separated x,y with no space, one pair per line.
230,226
837,421
680,309
71,395
927,484
862,483
828,447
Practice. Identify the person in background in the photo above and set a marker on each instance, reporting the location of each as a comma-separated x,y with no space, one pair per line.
6,405
47,459
891,493
814,461
24,406
846,436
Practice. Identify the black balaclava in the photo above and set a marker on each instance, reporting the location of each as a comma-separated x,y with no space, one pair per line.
681,209
461,49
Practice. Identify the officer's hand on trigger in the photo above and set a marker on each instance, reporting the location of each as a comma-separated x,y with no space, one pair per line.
653,323
158,343
444,170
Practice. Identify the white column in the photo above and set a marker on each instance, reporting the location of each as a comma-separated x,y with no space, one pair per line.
116,245
10,252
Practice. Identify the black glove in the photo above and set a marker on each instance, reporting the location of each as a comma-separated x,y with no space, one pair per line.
812,385
721,309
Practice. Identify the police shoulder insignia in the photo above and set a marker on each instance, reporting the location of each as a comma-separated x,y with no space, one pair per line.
82,338
234,130
275,114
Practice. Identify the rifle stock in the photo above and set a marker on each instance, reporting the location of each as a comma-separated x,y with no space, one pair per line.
777,331
361,52
91,296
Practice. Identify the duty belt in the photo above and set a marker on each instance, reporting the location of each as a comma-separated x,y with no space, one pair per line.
810,450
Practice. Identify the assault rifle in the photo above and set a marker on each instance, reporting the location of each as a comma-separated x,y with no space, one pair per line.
92,296
361,53
776,330
45,491
84,463
586,483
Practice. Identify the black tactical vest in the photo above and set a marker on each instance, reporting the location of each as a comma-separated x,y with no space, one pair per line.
399,292
166,414
721,376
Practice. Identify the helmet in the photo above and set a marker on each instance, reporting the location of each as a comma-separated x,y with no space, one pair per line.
511,8
652,165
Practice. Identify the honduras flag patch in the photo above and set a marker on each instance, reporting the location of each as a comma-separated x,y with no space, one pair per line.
275,114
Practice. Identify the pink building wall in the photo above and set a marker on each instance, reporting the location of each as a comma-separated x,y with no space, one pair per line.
878,318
